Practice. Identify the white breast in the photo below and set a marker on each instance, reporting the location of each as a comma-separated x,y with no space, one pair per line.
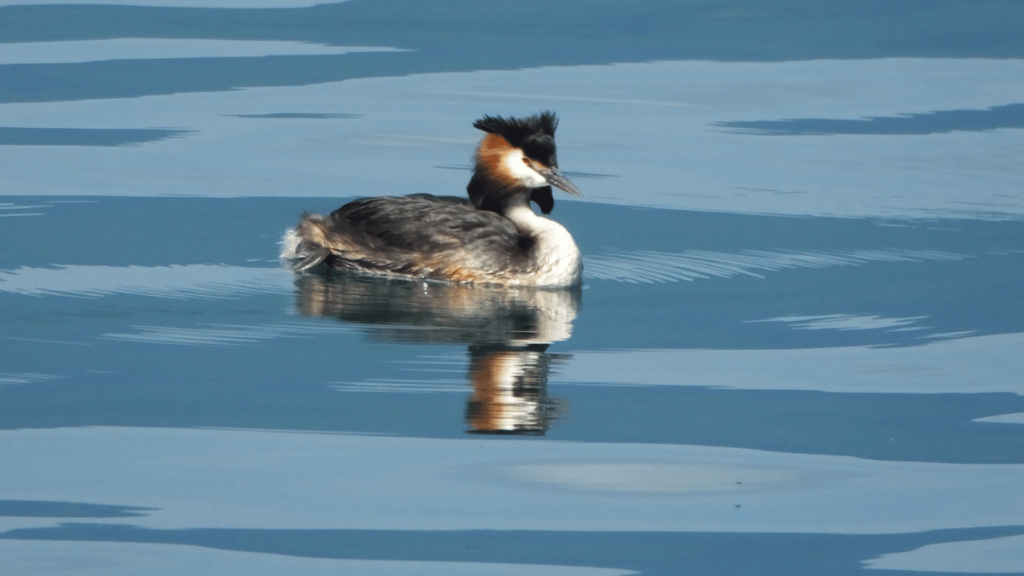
557,259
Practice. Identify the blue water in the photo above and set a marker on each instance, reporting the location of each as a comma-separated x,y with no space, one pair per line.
796,349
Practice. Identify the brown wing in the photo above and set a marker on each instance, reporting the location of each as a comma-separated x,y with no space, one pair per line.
419,235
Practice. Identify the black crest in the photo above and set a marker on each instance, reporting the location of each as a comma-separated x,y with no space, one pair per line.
535,135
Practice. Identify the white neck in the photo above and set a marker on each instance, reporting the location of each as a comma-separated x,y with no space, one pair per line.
519,211
557,259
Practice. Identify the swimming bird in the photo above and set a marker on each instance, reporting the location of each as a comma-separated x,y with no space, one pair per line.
492,237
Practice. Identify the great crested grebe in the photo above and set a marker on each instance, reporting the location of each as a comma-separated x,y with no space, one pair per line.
493,237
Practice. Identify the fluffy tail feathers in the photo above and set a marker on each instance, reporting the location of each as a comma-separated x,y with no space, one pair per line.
303,247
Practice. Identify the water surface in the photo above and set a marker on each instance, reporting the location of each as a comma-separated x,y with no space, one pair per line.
796,349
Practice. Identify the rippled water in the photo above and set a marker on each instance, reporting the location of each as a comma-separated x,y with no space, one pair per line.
796,350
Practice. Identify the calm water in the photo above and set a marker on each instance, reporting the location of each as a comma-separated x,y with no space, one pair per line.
797,349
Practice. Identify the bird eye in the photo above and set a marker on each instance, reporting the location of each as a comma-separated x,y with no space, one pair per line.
526,161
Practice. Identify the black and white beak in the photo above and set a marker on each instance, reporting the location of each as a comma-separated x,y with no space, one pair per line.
558,180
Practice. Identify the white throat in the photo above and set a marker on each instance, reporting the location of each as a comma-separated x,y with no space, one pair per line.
556,258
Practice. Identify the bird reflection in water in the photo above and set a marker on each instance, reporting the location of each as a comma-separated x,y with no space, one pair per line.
507,330
510,390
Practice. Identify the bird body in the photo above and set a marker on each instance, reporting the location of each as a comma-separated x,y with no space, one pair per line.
493,236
